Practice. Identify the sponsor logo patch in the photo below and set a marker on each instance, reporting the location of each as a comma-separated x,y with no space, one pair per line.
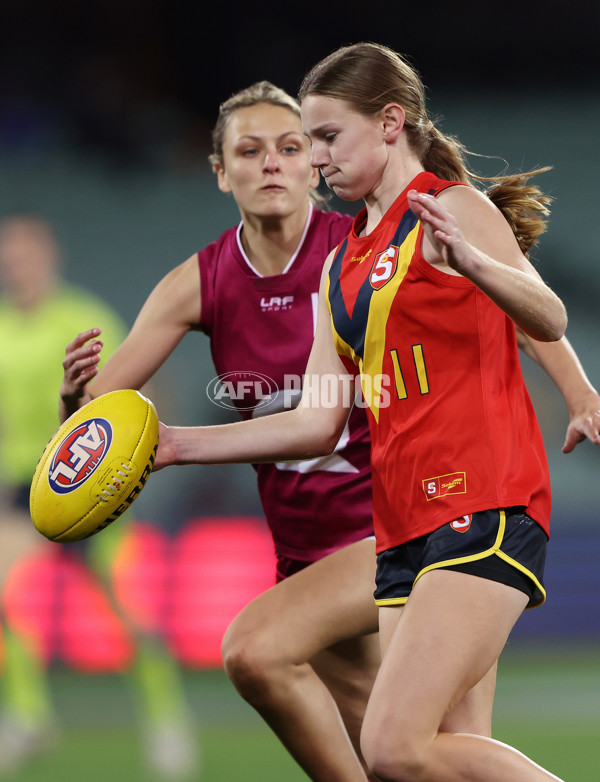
361,258
79,455
276,303
442,485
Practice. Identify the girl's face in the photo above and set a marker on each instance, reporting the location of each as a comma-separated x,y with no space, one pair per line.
347,147
266,161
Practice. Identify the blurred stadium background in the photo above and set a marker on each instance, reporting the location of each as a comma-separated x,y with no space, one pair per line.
105,117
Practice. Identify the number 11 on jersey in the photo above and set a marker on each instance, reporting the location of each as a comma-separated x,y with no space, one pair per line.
420,368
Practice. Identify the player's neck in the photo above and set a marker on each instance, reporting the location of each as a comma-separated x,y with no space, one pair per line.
271,243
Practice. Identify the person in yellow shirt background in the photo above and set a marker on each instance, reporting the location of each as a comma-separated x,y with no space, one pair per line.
39,312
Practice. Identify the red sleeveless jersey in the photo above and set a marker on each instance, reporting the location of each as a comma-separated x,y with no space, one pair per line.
261,331
452,427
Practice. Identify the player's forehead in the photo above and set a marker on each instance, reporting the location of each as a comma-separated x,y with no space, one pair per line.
263,120
320,112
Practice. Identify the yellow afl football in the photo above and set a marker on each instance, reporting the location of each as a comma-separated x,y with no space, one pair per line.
94,466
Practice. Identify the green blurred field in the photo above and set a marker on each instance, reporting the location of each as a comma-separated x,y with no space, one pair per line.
547,705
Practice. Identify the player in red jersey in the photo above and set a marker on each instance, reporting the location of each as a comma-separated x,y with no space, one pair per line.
466,551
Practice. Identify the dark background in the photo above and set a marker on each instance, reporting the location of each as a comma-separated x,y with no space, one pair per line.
124,77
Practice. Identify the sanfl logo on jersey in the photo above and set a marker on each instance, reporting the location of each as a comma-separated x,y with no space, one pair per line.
442,485
384,267
79,455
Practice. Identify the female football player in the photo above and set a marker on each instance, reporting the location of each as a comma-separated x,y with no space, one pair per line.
303,653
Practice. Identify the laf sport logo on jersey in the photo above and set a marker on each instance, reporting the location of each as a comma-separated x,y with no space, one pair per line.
276,303
79,455
453,483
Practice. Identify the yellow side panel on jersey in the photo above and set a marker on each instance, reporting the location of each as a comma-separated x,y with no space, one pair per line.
379,310
360,296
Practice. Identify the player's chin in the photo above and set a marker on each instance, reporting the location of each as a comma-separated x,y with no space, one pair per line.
343,192
278,211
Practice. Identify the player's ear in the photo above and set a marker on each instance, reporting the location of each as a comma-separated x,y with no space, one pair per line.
222,180
315,177
392,119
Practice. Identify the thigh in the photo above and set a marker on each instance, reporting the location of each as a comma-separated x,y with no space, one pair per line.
326,603
437,648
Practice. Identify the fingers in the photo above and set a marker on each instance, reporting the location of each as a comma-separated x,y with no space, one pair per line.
591,427
424,203
80,365
432,213
82,338
580,429
572,439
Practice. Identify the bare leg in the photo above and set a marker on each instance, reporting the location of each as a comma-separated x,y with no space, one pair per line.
348,669
268,647
437,648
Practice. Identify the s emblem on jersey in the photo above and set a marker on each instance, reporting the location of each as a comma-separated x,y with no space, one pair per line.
79,455
453,483
462,524
384,267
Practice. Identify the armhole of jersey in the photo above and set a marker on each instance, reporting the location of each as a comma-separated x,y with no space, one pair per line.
419,243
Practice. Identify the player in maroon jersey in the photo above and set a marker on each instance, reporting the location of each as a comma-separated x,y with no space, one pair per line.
441,629
307,650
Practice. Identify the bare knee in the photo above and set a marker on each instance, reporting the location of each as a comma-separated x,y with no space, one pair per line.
394,758
395,766
247,662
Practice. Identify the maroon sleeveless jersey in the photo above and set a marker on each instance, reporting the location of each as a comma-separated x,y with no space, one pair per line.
261,331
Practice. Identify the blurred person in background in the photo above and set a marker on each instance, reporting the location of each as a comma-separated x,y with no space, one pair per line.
38,312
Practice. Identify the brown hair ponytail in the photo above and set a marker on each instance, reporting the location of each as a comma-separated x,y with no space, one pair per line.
349,74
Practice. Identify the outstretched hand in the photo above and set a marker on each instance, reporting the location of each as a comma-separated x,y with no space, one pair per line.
80,365
584,425
441,229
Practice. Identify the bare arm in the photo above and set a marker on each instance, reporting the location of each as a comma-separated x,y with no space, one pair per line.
312,429
464,232
170,311
560,361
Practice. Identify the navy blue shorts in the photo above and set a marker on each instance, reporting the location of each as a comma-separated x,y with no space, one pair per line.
500,545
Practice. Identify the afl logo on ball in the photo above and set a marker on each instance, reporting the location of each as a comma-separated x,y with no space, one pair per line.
79,455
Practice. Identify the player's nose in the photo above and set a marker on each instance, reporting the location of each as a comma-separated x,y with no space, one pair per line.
271,161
